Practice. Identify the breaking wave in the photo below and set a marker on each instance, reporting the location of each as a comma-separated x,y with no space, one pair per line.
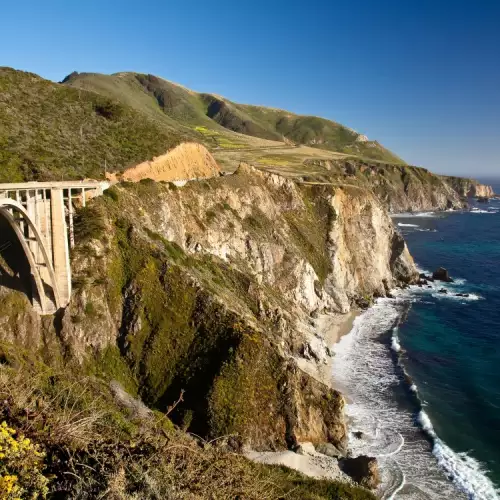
415,214
384,406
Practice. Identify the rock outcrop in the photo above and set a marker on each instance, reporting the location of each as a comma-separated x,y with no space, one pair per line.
442,274
469,188
363,469
400,188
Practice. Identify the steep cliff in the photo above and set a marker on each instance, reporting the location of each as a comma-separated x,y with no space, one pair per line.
209,288
400,188
469,188
209,292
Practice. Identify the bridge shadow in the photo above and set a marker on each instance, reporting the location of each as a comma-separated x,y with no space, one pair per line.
15,271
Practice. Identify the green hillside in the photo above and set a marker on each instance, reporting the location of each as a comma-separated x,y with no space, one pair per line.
167,101
73,129
54,131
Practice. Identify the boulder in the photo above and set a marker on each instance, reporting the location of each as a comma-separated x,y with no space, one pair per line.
363,302
442,274
305,449
443,290
363,470
462,295
358,434
329,450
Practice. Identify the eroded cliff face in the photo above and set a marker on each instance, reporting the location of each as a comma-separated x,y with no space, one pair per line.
189,160
482,191
403,188
469,188
210,289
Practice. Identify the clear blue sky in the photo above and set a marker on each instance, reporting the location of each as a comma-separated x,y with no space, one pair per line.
422,77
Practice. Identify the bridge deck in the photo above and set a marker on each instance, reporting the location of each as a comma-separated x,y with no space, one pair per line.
14,186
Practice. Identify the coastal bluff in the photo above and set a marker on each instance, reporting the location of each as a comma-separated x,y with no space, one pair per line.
176,289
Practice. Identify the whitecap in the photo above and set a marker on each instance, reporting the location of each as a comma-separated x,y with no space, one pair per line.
364,369
401,224
414,214
452,296
395,345
466,472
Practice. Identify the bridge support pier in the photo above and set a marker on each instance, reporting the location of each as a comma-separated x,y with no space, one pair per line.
60,248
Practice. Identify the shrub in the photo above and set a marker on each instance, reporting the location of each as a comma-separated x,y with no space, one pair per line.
21,463
112,193
89,224
108,109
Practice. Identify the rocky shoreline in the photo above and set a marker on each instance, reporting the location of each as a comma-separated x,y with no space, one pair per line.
324,460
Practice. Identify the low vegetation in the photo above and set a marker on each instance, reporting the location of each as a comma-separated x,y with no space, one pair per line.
214,117
64,434
50,131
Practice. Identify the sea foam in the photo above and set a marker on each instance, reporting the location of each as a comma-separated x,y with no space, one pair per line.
466,472
365,370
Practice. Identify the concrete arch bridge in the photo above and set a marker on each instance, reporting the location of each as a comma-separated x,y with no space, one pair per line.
36,234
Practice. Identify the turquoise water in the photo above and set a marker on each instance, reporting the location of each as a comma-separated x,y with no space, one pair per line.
451,345
422,371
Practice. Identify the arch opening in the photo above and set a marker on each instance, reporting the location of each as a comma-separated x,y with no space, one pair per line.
22,268
15,270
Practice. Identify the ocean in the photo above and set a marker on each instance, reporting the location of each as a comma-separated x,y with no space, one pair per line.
421,371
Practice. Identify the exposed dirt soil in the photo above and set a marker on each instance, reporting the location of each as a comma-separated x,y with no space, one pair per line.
186,161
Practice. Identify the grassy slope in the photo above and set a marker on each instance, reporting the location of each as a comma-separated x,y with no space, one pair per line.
84,444
53,131
207,110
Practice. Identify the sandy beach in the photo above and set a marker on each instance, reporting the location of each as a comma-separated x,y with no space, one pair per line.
329,329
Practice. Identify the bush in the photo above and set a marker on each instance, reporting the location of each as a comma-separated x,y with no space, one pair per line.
89,224
108,109
21,463
112,193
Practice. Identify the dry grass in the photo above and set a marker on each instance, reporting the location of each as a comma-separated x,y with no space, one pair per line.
69,411
93,449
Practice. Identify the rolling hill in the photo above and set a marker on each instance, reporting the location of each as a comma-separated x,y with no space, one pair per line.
52,131
168,102
92,122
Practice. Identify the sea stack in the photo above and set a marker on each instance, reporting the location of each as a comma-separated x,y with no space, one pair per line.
442,274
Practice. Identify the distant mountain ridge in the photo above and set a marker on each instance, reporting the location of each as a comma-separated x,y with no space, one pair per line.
157,96
93,124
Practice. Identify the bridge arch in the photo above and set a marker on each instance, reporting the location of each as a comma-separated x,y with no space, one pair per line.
6,206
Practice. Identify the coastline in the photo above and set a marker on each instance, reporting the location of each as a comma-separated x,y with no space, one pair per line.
330,329
386,417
